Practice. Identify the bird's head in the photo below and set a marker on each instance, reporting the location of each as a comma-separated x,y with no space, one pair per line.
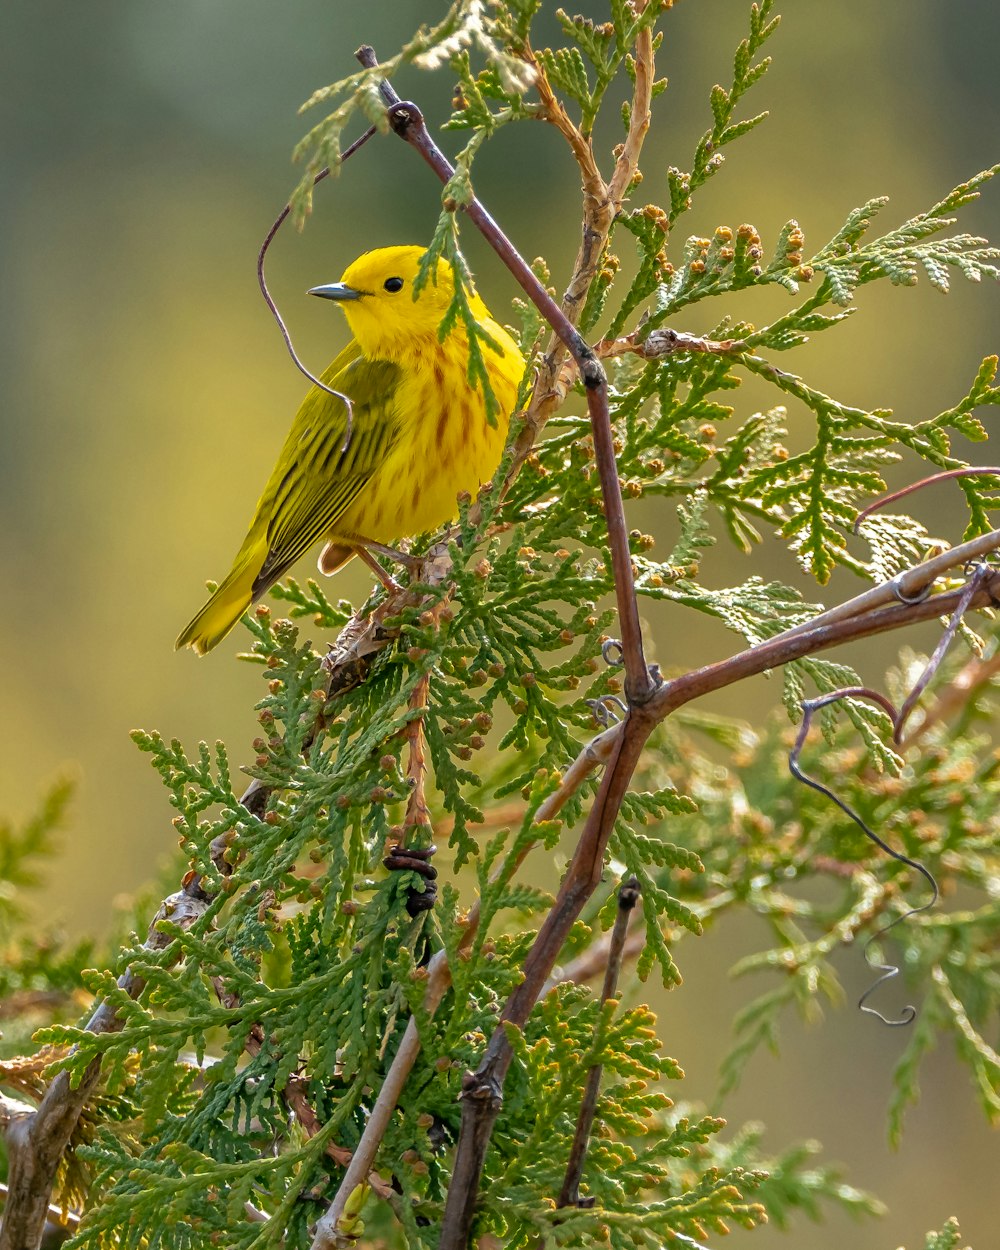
376,294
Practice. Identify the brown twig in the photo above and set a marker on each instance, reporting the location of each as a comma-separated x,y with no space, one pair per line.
36,1143
601,202
407,121
797,643
595,190
593,961
909,585
954,697
593,756
482,1090
970,470
414,853
666,342
418,817
569,1196
37,1140
980,575
809,708
552,381
293,1095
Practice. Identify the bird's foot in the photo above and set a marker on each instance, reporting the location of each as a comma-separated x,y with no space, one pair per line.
411,563
387,581
365,549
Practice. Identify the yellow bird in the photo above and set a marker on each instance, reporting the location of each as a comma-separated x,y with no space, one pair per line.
418,437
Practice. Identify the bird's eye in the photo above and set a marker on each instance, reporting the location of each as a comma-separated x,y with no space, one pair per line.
392,285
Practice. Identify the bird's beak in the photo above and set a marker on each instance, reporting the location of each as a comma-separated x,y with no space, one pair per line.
336,290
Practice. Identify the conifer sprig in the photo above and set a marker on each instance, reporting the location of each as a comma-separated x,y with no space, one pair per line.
251,1036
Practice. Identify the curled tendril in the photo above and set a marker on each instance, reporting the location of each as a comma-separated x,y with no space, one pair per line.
888,971
273,307
903,597
613,653
978,574
608,709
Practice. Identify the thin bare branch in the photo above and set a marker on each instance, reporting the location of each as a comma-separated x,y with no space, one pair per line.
600,204
666,342
407,121
482,1090
946,475
268,299
628,896
595,190
593,756
794,644
980,576
592,962
908,586
414,852
36,1143
954,698
639,116
418,816
809,708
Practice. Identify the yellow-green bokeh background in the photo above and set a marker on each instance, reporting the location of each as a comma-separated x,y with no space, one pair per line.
145,151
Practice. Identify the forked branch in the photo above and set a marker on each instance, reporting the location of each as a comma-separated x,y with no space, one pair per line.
37,1140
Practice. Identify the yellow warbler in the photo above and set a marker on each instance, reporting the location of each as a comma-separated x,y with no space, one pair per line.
418,435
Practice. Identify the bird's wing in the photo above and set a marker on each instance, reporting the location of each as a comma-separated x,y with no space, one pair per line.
322,468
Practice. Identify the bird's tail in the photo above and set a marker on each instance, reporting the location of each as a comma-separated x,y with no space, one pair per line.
221,613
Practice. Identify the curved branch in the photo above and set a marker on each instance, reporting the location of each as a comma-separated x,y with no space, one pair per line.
601,202
408,122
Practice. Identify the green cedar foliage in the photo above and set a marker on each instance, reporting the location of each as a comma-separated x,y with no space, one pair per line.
305,968
39,974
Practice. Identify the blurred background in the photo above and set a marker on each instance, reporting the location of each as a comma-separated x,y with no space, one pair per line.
145,151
